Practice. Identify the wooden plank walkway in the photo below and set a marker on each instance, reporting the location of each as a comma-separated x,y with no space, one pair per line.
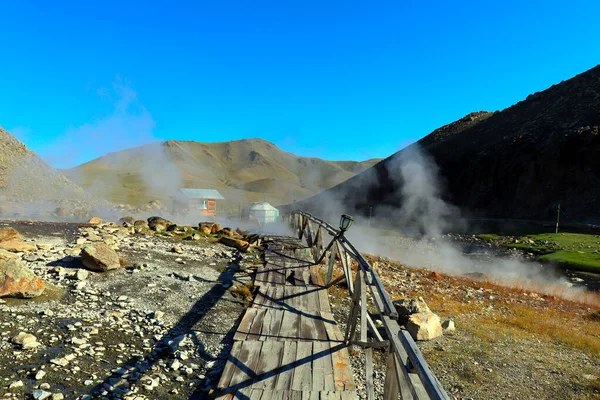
288,345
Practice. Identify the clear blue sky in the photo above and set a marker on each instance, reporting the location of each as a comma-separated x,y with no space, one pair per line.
330,79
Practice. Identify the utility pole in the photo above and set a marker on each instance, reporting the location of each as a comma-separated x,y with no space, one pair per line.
557,217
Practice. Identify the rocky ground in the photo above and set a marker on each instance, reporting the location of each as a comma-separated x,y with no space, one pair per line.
159,327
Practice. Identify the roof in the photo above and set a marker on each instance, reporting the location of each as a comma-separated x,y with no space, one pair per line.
263,206
211,194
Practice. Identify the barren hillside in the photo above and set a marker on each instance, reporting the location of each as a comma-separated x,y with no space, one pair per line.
243,171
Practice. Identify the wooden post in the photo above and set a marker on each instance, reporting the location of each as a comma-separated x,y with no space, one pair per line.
391,385
330,264
351,323
364,338
557,217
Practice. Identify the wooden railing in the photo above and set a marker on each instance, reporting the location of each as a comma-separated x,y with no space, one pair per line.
407,374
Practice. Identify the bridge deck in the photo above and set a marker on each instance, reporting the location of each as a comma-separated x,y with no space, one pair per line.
288,345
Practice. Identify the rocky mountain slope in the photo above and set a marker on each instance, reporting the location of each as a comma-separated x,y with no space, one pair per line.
243,171
517,163
31,186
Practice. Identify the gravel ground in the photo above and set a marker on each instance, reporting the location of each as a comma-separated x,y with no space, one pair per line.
159,328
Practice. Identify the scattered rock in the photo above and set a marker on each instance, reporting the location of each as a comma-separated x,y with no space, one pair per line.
127,220
9,234
16,280
16,246
448,326
40,394
82,274
239,244
408,307
95,221
26,341
99,257
424,326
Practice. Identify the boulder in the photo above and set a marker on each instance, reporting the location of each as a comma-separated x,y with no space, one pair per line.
7,255
95,221
241,245
206,228
128,220
158,224
9,234
216,228
229,232
171,227
16,280
99,257
16,246
424,326
407,307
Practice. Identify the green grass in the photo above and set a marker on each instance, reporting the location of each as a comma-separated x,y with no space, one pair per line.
575,251
488,236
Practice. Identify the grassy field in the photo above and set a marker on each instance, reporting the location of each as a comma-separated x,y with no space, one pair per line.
577,251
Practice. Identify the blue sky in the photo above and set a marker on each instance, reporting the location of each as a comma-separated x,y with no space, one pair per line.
333,79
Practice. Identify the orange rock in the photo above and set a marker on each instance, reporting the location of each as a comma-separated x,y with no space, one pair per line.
95,221
434,275
9,234
16,280
16,246
216,228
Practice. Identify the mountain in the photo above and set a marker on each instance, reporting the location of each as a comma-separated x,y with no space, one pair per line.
29,186
243,171
518,163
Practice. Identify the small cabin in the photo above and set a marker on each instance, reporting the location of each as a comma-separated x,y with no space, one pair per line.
201,201
261,212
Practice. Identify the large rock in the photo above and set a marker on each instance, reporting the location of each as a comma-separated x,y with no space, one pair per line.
16,246
9,234
95,221
99,257
241,245
408,307
16,280
128,220
7,255
158,224
424,326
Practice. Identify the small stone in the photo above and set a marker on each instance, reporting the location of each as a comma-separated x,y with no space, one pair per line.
40,375
82,274
175,365
58,396
177,249
16,385
448,326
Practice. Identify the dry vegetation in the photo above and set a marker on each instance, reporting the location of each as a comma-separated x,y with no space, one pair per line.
510,342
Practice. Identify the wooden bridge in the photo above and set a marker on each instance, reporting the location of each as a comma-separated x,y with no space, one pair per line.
288,344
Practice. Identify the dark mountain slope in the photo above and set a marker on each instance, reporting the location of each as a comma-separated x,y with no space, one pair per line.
517,163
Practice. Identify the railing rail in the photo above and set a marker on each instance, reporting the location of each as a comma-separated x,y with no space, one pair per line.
407,372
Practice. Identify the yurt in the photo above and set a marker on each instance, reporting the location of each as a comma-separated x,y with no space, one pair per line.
262,212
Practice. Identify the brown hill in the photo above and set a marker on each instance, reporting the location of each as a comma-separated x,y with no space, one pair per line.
517,163
243,171
30,187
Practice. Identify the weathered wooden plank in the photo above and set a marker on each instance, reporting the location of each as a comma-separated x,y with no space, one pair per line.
333,332
321,365
270,359
245,362
265,332
284,379
391,387
256,394
255,328
302,375
308,326
290,326
229,366
324,301
244,327
342,371
276,321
